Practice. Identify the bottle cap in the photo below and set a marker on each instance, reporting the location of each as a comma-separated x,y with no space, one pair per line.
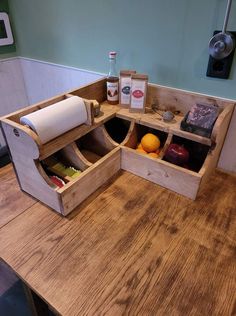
112,55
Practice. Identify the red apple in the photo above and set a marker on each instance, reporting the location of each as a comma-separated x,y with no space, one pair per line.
177,154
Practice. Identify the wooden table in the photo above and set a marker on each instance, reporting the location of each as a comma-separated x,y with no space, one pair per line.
134,249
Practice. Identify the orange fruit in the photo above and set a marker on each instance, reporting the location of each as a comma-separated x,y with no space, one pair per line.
141,151
158,151
153,155
150,142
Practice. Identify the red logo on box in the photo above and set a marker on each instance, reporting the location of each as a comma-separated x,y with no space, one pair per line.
138,94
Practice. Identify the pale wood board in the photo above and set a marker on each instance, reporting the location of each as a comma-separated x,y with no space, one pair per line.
12,200
96,91
175,178
90,180
75,158
218,135
90,156
171,98
24,153
136,249
98,141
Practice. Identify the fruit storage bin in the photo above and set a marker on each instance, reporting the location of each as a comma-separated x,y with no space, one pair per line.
155,169
108,144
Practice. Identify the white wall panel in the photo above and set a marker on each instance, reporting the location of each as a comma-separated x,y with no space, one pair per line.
44,80
13,95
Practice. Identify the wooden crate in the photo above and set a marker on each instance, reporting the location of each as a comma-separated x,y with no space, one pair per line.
91,148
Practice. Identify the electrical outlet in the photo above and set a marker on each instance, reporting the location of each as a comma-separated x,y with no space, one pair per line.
220,68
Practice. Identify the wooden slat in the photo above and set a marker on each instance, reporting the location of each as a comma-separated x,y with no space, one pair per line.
182,100
89,181
75,158
12,200
218,135
96,90
177,179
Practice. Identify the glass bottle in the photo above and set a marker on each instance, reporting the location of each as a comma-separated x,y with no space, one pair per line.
112,81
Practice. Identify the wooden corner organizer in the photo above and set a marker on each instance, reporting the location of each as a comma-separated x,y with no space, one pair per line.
106,144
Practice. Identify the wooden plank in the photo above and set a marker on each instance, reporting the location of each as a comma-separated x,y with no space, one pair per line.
98,141
12,200
89,181
75,158
96,90
24,153
175,178
218,134
136,249
168,98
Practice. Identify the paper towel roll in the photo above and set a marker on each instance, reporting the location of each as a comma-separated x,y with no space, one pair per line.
57,118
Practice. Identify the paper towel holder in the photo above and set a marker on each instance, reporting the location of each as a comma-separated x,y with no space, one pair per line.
63,139
89,104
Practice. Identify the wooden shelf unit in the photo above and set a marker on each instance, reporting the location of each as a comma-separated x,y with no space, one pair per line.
91,149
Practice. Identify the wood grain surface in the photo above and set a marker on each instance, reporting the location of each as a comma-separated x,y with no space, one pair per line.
12,200
135,249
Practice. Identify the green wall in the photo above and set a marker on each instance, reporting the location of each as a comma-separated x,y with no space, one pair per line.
167,39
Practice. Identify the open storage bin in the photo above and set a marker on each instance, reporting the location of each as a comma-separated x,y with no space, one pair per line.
139,130
108,144
95,144
94,154
197,152
35,163
185,180
117,128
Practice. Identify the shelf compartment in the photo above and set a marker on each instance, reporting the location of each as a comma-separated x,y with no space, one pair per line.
67,157
117,129
181,180
153,120
95,144
138,131
197,152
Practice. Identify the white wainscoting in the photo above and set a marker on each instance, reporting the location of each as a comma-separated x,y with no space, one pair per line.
13,94
44,80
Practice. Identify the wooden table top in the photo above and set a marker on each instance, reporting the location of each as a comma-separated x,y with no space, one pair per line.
134,249
12,200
